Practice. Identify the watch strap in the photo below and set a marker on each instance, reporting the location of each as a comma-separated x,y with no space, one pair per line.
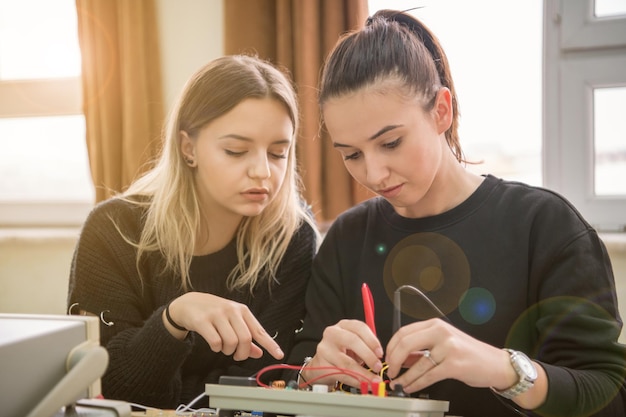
522,385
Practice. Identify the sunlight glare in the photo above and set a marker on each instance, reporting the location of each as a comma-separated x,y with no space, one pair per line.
51,42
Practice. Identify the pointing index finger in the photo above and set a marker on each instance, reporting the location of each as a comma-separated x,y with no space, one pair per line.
263,338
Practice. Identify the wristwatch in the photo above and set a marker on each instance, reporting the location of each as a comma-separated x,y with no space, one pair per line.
526,372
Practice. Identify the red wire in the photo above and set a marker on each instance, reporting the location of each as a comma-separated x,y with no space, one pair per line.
336,371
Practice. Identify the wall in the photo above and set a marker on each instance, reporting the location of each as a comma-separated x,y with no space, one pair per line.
34,269
190,36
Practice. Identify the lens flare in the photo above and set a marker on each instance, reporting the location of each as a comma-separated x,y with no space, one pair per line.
477,306
435,265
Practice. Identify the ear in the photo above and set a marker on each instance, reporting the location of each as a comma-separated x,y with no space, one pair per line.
443,110
187,145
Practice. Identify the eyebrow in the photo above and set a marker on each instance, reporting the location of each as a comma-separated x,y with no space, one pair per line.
247,139
374,136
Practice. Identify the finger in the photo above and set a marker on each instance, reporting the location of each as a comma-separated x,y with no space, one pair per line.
255,351
259,334
354,375
344,349
356,338
413,358
211,335
338,367
421,374
230,335
394,366
243,343
407,341
403,332
365,334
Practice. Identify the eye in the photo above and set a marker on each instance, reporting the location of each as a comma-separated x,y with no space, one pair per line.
392,145
278,155
352,156
234,153
278,152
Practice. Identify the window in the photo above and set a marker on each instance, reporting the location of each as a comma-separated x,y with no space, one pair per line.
541,95
585,131
44,172
609,139
496,67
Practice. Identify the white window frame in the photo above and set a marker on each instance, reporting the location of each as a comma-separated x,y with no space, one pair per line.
581,53
36,98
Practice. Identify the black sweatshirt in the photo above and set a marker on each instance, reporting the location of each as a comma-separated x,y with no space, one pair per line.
147,365
513,266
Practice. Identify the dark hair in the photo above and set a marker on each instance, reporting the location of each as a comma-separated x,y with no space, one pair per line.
392,45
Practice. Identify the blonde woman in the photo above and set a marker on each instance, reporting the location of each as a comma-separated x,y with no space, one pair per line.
198,270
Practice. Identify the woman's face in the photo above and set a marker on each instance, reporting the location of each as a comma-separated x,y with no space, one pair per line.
389,144
242,157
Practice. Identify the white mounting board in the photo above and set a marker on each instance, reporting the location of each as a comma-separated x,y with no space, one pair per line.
331,404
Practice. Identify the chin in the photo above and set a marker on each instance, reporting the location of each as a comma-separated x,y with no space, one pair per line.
252,211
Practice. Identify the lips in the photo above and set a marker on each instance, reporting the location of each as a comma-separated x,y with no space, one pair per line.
391,191
256,194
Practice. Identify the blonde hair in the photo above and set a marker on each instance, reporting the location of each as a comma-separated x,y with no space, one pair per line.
172,219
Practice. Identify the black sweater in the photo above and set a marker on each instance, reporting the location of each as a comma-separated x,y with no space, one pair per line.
513,266
146,364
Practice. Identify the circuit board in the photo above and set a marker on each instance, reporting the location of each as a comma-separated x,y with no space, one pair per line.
320,404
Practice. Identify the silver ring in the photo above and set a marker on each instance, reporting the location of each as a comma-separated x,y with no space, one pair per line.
426,354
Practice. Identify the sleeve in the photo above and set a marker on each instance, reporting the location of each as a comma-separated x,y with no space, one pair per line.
324,298
283,314
144,359
577,319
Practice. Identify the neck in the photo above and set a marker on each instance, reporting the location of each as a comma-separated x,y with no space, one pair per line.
452,185
215,232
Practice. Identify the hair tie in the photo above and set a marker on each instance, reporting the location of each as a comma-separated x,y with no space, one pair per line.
171,321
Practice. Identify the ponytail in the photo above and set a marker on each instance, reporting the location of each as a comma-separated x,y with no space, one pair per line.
392,44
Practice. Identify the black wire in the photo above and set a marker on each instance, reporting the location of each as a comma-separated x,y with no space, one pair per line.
508,404
397,323
397,307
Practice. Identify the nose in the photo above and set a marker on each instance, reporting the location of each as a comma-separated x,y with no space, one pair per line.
259,167
376,170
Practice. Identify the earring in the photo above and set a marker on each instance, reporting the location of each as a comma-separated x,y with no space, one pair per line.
189,161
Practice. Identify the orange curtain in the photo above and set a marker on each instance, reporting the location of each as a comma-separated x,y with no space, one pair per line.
122,93
298,34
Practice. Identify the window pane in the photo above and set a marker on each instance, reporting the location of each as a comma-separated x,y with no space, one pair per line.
44,158
610,141
44,47
606,8
496,67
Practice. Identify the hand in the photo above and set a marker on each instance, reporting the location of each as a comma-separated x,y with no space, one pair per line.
456,355
349,344
227,326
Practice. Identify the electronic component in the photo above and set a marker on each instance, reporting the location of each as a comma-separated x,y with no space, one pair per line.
48,362
241,381
332,404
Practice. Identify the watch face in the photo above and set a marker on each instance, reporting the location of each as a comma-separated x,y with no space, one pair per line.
526,366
